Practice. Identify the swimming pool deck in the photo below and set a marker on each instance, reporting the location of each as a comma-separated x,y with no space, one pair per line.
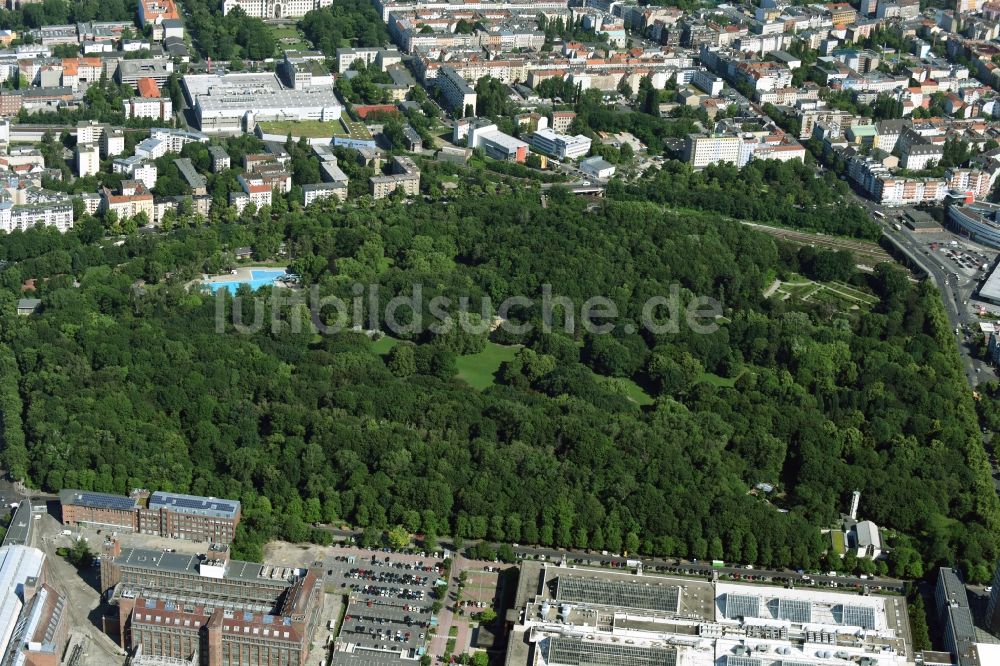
242,274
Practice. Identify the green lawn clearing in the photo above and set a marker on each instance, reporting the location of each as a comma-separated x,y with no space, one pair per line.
384,345
716,380
626,387
477,370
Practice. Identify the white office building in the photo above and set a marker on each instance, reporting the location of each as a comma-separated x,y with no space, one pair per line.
561,146
497,145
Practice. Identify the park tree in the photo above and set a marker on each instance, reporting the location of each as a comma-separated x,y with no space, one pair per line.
398,537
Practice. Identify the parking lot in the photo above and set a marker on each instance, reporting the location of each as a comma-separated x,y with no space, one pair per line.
389,608
480,590
962,257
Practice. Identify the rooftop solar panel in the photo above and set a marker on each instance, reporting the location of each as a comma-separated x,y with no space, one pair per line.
742,605
195,505
98,500
574,652
623,594
795,610
733,660
857,616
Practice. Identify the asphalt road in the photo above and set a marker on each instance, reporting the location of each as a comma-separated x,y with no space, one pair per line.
952,295
672,565
955,289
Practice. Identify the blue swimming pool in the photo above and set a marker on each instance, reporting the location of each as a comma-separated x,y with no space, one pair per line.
258,279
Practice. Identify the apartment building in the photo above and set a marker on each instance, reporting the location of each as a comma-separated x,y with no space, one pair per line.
197,182
53,212
156,11
81,70
379,57
110,140
458,94
133,200
88,159
708,83
919,156
701,151
210,609
163,140
155,108
316,191
405,176
136,168
255,191
561,120
149,103
531,8
220,158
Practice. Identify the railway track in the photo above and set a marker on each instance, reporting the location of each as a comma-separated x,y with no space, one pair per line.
866,252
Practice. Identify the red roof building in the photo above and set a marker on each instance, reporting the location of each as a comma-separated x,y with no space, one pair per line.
147,87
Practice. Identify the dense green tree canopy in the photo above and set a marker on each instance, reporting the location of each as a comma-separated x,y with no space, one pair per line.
110,388
347,23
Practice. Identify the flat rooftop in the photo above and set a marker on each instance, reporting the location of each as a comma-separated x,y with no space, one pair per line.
991,287
186,563
19,530
806,606
576,616
624,594
202,84
565,651
653,595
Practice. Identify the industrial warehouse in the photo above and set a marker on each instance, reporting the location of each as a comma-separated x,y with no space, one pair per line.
209,609
574,617
236,102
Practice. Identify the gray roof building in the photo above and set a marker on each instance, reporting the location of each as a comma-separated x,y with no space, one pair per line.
130,71
26,306
955,617
195,180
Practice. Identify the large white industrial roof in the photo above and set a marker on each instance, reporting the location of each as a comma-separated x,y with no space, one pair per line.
17,564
